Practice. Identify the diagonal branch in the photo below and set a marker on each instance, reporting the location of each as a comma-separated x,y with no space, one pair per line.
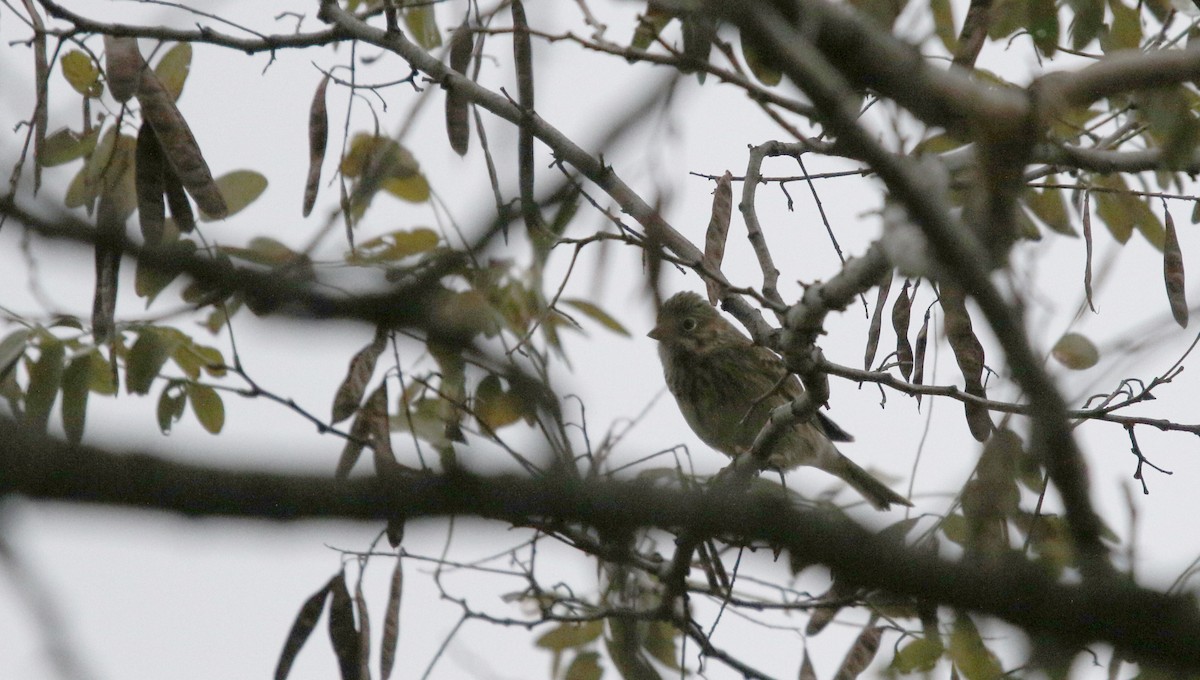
564,149
956,248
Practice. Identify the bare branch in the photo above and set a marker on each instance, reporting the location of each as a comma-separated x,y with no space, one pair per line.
1145,626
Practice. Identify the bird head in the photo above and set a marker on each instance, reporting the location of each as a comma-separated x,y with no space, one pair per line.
687,322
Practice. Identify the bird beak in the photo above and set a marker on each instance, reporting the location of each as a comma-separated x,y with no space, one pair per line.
657,333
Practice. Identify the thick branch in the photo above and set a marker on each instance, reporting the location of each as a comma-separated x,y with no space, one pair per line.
872,59
1119,72
1143,625
403,306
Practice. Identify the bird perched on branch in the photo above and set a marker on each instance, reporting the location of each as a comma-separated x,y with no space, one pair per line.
726,387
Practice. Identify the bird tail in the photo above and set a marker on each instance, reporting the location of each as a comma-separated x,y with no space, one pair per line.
876,492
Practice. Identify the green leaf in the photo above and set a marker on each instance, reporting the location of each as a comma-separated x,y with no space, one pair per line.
585,666
452,387
660,642
598,315
1115,214
422,23
1171,123
170,406
81,72
1134,210
1043,25
1071,122
969,654
239,188
146,358
148,281
12,348
221,314
1006,17
393,246
1050,537
192,358
76,381
568,635
884,12
45,378
101,378
1089,20
207,406
378,154
464,314
944,24
650,25
65,145
213,360
80,192
103,153
375,161
263,250
1125,33
1050,206
766,72
939,143
118,186
424,420
921,654
954,527
172,70
495,408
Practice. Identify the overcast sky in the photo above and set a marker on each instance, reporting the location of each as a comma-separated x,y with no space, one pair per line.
149,595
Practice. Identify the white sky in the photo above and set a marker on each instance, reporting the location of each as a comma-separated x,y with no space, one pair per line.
151,595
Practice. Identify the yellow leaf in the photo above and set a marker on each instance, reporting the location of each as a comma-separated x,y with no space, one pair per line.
81,72
1076,352
173,68
414,189
396,245
239,188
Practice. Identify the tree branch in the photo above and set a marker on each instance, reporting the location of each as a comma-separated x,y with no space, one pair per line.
956,248
1144,625
265,43
565,150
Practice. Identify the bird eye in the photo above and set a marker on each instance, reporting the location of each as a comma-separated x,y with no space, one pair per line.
689,325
